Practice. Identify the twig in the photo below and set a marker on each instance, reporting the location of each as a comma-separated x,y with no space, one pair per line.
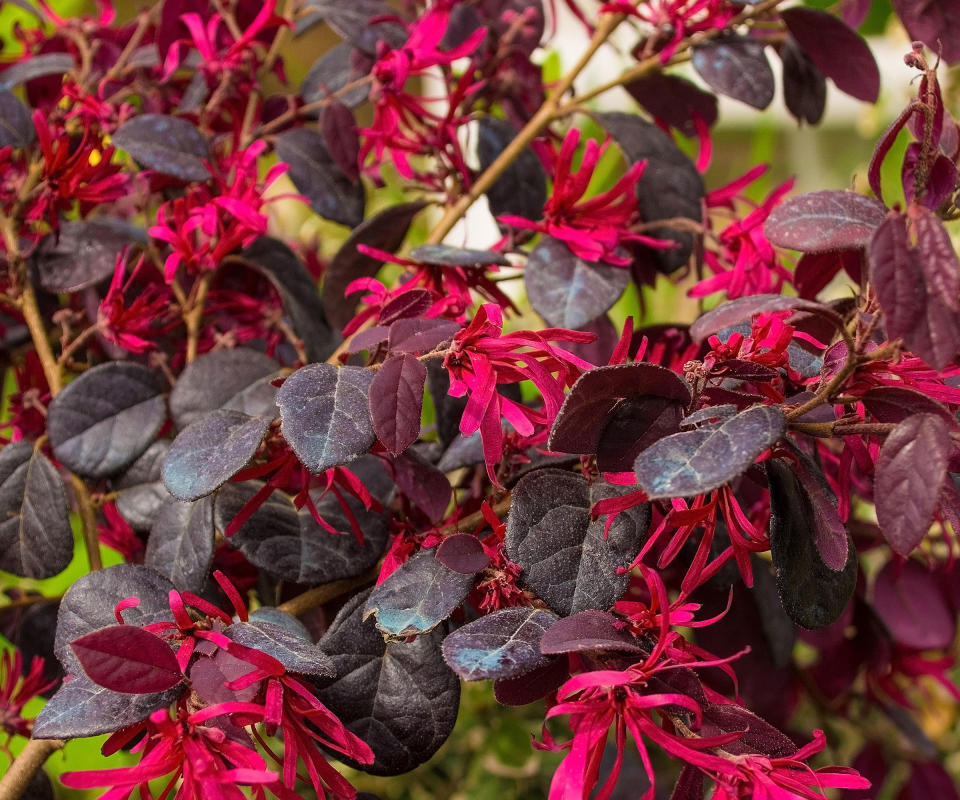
17,778
312,598
193,317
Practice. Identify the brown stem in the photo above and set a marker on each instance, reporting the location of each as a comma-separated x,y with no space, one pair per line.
313,598
75,345
88,519
17,778
143,23
841,428
471,521
193,317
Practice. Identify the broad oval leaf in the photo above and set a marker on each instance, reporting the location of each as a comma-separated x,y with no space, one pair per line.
140,490
169,145
742,309
896,403
736,67
36,540
588,631
567,291
812,594
911,469
329,74
210,451
83,252
568,559
16,124
445,255
297,653
839,51
674,100
339,130
128,659
910,601
89,603
332,194
417,597
503,644
399,697
534,685
419,335
936,23
804,86
181,543
816,222
396,401
462,552
522,188
829,534
106,418
237,378
693,462
37,66
325,414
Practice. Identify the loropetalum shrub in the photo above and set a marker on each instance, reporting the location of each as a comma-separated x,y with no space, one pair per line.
635,525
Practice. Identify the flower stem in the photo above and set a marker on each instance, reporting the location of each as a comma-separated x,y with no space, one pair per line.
17,778
193,317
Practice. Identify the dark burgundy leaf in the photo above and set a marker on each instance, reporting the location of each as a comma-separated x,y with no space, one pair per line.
463,451
588,630
532,686
384,231
689,785
210,451
918,285
291,545
339,130
597,394
169,145
16,125
101,422
884,143
929,780
816,222
369,339
812,594
912,604
82,708
829,535
208,675
332,194
463,553
733,312
352,21
736,67
31,627
670,185
567,560
674,100
693,462
896,403
839,51
418,335
396,401
417,597
36,539
708,415
329,74
444,255
411,303
128,659
83,253
325,415
298,291
297,653
741,370
936,23
911,469
601,348
181,543
804,86
399,697
522,189
422,483
38,66
632,426
567,291
815,270
503,644
89,603
237,379
758,736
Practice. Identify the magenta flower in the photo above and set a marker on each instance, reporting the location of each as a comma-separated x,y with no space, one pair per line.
594,229
128,326
16,690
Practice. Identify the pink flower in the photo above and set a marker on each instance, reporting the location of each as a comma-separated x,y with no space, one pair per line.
16,690
128,326
594,229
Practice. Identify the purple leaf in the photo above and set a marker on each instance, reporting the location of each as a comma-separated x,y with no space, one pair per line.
586,631
396,401
417,597
38,66
418,335
315,173
463,553
927,781
911,603
917,285
83,252
674,100
839,51
736,67
168,145
693,462
125,658
689,785
325,414
829,535
444,255
804,87
522,188
567,291
936,23
385,231
411,303
532,686
208,674
297,653
16,124
733,312
759,736
896,403
884,143
503,644
36,539
566,558
422,483
812,594
826,220
815,270
181,543
941,181
329,74
339,130
911,468
101,422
